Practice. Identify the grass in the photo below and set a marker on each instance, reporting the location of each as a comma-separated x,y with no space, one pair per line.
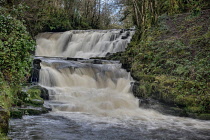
172,62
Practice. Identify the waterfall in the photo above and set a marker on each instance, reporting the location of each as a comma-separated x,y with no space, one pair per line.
91,98
81,86
82,44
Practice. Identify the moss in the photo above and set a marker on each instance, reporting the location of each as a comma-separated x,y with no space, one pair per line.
207,35
3,136
194,109
204,116
30,103
34,93
169,82
157,70
36,102
34,111
145,78
16,114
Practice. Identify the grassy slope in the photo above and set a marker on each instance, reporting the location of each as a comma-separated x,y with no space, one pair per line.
172,63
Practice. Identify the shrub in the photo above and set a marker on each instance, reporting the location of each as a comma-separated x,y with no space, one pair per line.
16,46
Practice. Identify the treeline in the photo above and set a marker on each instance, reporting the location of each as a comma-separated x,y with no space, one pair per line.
61,15
145,13
22,20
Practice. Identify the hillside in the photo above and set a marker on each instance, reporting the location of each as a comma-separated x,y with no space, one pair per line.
171,63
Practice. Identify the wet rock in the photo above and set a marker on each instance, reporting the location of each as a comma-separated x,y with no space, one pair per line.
149,103
30,110
144,102
37,102
126,35
74,59
16,113
97,61
44,93
108,55
47,107
32,102
126,66
135,88
40,91
34,78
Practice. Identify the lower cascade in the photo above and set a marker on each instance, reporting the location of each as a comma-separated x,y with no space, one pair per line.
79,86
91,98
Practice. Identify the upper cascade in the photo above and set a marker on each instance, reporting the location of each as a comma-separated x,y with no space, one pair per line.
82,43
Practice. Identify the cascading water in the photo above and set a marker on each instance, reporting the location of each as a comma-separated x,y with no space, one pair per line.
92,99
102,89
82,44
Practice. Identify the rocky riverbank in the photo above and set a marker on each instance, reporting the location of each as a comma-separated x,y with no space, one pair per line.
29,101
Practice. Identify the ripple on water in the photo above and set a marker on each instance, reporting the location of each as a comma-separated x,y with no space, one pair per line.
83,126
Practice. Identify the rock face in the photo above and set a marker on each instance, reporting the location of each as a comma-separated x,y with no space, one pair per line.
126,36
34,78
31,102
135,88
44,93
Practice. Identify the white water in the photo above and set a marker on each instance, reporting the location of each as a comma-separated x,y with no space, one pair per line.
94,101
101,90
82,44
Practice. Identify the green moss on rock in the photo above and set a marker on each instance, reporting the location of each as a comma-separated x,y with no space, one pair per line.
16,114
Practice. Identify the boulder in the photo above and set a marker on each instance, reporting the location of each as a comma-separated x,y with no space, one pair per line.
44,93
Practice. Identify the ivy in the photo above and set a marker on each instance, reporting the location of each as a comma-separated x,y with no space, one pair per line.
16,46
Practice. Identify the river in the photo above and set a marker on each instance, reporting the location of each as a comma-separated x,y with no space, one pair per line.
91,99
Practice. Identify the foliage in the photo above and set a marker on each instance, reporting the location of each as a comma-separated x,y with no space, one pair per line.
3,137
16,46
146,12
5,104
62,15
171,62
5,95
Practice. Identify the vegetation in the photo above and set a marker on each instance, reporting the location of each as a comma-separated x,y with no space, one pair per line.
145,13
61,15
15,48
169,55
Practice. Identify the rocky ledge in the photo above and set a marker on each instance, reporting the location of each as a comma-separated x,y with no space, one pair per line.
30,102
